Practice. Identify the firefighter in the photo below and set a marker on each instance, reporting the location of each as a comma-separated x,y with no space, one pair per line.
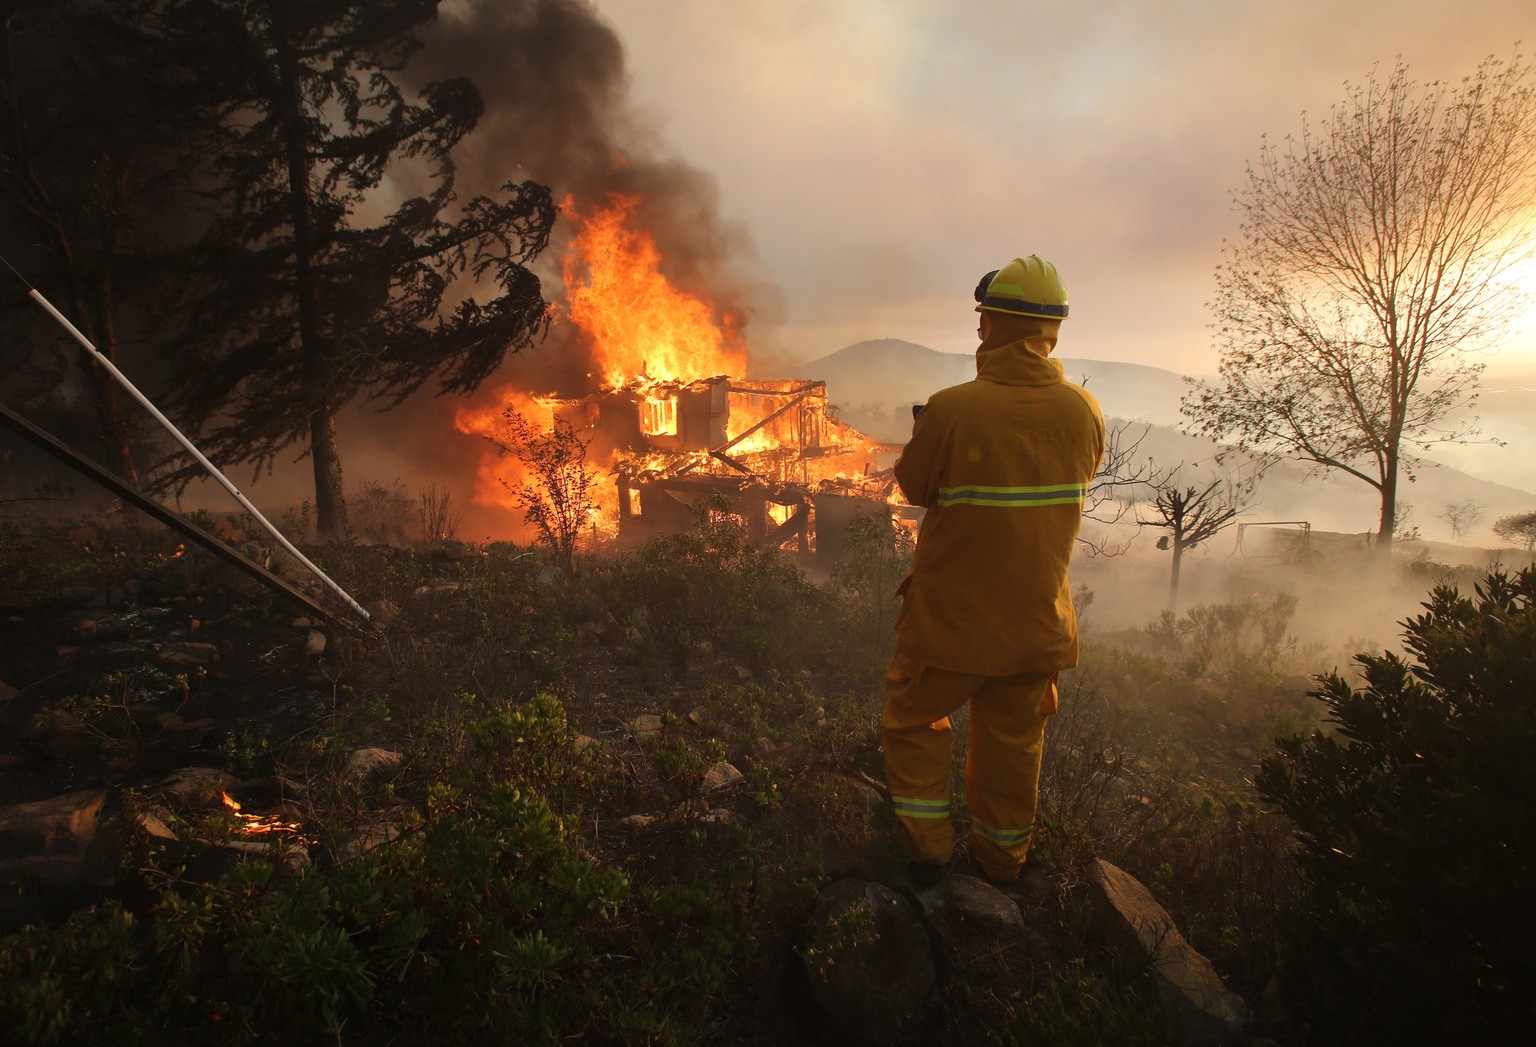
1002,465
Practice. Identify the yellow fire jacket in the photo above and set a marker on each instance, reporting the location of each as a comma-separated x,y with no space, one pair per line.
1001,464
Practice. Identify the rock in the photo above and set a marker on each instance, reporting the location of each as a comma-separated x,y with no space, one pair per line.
187,655
301,624
62,825
85,628
645,727
551,577
696,715
170,721
1200,1008
195,786
763,749
638,821
719,775
365,838
743,673
152,822
869,963
314,643
55,854
7,692
382,612
363,763
112,596
958,902
582,743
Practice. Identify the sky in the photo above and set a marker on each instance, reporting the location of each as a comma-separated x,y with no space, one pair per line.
880,155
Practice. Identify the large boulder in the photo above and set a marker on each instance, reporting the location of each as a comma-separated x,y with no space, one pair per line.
53,854
869,962
1200,1008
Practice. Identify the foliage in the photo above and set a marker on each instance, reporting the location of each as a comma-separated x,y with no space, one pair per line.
557,496
1377,248
1082,1009
472,918
379,513
1416,829
297,308
876,554
1245,643
1518,529
712,587
91,162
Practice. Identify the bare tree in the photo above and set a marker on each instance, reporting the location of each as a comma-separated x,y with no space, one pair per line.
556,490
1192,513
1462,516
1122,475
1375,255
1519,529
439,519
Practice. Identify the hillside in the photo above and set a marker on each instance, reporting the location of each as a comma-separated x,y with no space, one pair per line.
876,382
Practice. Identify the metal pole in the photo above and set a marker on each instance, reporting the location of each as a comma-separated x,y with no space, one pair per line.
193,451
125,490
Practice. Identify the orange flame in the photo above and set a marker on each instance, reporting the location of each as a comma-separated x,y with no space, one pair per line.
256,824
640,325
650,343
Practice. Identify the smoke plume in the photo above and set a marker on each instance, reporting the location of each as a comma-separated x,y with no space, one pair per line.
557,110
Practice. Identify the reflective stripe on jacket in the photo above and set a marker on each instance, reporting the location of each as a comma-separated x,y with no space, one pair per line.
1002,465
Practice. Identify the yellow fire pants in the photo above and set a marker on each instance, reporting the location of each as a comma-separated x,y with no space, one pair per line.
1002,768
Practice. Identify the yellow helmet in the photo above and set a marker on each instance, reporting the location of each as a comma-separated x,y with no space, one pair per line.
1025,286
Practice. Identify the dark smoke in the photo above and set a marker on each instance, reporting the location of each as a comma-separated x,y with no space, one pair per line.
557,110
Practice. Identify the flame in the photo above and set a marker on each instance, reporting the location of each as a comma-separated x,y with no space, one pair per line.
257,824
653,347
639,324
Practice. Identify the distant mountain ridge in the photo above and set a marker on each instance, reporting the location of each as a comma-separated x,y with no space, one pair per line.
875,383
884,376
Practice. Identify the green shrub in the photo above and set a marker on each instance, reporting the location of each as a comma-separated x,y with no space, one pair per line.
712,587
1245,644
469,922
875,556
1417,831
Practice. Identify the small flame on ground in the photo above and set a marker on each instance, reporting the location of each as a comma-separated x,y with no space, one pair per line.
256,824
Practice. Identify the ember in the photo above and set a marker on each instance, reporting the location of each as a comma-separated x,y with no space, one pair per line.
672,418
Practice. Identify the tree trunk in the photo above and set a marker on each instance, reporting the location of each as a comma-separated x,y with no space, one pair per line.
117,430
330,497
111,417
1388,522
1173,579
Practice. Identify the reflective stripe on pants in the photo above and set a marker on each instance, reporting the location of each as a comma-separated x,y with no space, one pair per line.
1002,770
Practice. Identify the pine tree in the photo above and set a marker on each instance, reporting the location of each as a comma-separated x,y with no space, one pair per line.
300,307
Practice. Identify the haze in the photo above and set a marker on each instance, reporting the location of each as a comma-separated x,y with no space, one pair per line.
882,154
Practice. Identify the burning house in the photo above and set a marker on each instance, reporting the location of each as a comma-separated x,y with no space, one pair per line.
671,422
774,451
